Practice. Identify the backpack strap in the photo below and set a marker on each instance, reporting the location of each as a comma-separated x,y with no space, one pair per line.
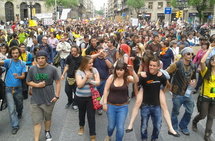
7,69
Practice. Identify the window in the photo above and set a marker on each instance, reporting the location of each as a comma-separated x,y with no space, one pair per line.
160,5
150,6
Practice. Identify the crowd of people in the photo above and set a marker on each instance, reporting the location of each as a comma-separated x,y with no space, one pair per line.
119,60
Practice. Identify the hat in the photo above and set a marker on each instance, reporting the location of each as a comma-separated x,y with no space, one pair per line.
42,53
186,50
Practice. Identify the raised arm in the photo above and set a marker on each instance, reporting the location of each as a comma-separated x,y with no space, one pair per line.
204,58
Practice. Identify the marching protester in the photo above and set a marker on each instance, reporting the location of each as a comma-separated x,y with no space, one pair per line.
15,73
44,46
41,77
72,62
86,76
63,48
206,99
116,99
183,83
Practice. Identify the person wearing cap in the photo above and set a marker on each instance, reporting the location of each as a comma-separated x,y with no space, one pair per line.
40,77
183,82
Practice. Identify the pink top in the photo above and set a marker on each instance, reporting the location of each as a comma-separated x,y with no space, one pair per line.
199,56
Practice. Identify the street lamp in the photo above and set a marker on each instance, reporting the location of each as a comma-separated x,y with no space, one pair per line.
31,8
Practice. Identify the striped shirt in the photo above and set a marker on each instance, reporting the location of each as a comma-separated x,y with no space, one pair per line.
85,90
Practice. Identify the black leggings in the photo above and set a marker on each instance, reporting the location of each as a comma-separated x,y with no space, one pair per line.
207,108
70,92
85,105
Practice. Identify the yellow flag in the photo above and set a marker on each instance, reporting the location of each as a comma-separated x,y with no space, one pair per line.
32,23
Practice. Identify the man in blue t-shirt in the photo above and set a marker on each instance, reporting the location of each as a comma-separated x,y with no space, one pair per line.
13,80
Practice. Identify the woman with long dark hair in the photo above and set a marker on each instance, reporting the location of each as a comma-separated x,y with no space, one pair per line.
85,76
206,99
116,98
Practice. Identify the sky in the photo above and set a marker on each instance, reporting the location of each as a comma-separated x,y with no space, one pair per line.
99,3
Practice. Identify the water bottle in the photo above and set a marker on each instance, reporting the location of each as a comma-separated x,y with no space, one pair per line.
189,91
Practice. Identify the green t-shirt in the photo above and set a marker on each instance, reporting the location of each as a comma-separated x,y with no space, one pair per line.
22,37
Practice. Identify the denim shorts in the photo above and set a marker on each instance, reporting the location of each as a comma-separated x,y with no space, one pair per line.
39,112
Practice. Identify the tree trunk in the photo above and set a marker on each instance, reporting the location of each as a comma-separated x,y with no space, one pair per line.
200,16
136,10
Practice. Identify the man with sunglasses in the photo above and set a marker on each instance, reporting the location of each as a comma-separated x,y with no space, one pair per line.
183,82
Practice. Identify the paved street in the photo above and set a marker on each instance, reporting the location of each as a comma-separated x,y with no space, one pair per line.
65,126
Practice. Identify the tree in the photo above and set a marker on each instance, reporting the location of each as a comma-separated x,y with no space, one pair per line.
65,3
100,12
136,4
200,5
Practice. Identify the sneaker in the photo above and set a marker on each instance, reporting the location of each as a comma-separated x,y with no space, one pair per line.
19,116
81,131
107,138
92,138
194,126
48,136
100,112
14,131
185,132
67,105
75,107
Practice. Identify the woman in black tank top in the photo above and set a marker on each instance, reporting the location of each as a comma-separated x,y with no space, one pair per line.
116,98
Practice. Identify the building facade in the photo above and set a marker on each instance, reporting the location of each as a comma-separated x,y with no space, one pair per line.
155,9
22,9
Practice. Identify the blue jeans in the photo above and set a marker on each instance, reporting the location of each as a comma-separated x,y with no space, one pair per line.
15,104
62,64
116,118
156,116
188,104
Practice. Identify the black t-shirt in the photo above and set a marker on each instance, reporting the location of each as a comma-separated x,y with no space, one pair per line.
151,87
91,50
74,63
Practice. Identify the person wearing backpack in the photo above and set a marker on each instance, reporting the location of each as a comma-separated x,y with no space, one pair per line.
84,44
15,73
183,84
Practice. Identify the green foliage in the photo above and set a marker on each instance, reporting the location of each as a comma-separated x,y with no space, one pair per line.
100,12
200,5
65,3
136,4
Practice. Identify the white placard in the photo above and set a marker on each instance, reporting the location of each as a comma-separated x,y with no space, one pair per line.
48,21
44,15
65,14
134,21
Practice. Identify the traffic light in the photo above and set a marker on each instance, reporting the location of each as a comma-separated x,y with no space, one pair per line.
179,14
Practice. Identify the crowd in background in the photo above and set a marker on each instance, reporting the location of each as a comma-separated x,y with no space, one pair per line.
113,57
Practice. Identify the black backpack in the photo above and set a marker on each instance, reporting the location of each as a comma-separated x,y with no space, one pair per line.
3,104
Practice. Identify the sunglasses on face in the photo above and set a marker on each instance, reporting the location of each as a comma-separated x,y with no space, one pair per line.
213,60
190,54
